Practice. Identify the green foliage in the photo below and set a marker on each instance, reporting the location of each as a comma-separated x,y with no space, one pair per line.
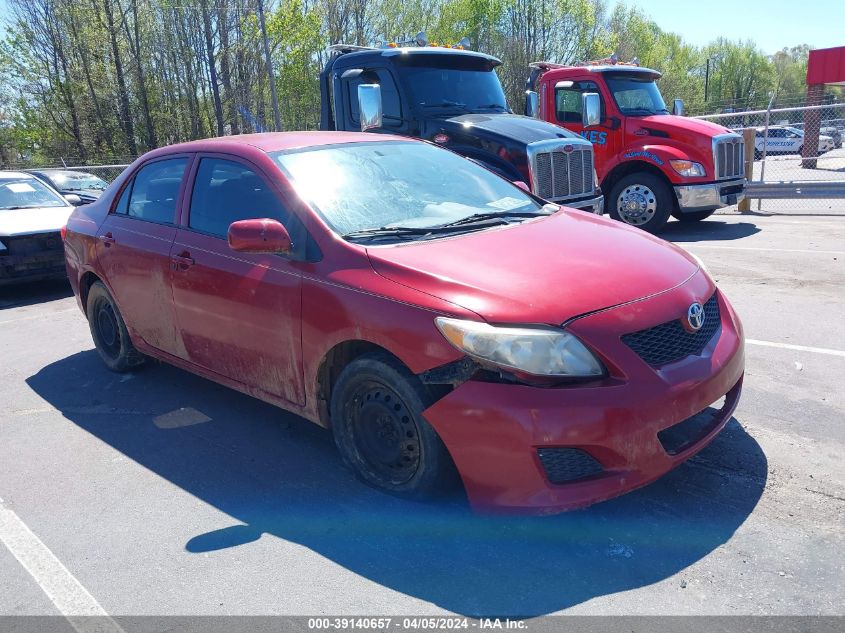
107,79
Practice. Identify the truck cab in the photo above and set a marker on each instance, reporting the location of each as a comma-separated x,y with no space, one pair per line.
651,163
452,97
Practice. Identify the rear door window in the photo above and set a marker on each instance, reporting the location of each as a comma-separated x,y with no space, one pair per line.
153,192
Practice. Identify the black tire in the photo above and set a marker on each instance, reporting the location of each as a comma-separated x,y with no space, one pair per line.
695,216
650,193
376,414
109,331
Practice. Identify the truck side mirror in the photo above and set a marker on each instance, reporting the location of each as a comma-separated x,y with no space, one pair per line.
532,104
590,109
369,106
678,107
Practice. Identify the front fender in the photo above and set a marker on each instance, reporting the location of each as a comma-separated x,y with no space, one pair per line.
659,156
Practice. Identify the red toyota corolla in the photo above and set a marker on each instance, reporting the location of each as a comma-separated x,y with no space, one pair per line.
435,316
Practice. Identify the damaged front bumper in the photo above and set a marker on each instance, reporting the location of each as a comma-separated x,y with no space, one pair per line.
530,449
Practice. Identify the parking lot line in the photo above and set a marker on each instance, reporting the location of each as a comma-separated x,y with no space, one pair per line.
799,348
768,250
68,595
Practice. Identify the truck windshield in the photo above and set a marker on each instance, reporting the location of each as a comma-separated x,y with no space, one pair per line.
454,89
382,185
636,96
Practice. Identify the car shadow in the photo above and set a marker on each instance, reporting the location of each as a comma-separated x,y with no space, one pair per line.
30,293
707,230
277,474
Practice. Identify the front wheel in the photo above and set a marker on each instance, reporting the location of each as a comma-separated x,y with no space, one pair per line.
376,416
695,216
642,200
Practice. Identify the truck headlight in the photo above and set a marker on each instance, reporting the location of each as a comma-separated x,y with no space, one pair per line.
536,350
688,168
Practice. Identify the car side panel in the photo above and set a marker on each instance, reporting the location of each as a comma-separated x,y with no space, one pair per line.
239,314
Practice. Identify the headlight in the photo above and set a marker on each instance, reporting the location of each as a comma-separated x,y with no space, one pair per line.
687,168
541,351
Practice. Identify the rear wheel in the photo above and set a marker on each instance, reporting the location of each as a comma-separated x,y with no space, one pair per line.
376,416
109,331
695,216
642,200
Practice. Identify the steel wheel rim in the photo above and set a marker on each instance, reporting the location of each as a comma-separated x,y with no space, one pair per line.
385,435
636,204
108,330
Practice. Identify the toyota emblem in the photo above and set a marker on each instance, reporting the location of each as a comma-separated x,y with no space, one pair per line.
695,316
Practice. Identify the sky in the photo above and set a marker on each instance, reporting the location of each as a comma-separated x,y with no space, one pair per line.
773,24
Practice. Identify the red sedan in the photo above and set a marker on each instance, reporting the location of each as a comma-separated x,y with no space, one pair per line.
435,316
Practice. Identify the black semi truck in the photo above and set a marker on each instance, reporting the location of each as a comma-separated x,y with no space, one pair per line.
453,97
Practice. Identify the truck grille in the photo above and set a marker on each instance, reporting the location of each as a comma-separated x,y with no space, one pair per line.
559,174
729,156
668,342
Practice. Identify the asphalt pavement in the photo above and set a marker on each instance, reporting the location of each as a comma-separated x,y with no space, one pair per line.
159,492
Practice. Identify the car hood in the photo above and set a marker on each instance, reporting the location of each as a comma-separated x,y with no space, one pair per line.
669,123
29,221
540,271
513,126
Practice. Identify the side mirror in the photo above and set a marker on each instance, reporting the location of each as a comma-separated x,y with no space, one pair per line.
259,236
678,107
369,106
532,104
521,184
73,199
590,109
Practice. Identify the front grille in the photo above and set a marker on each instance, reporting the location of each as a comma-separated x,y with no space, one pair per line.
558,174
729,156
563,465
668,342
33,244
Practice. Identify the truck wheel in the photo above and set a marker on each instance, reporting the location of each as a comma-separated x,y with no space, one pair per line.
642,200
376,416
694,216
109,331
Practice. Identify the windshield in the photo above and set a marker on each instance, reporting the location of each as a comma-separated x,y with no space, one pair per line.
78,182
25,193
361,186
454,88
636,96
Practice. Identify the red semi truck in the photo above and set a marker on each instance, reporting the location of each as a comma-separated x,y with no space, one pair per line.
650,163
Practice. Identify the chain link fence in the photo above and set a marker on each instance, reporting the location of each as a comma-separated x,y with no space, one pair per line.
108,172
794,178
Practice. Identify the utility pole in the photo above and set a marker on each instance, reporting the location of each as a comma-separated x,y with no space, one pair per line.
277,118
706,80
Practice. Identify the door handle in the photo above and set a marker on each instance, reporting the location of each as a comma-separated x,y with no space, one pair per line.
182,261
107,239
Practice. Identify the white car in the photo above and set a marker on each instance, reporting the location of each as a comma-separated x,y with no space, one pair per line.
786,140
32,216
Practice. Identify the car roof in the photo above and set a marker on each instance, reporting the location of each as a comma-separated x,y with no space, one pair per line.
277,141
54,171
16,175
